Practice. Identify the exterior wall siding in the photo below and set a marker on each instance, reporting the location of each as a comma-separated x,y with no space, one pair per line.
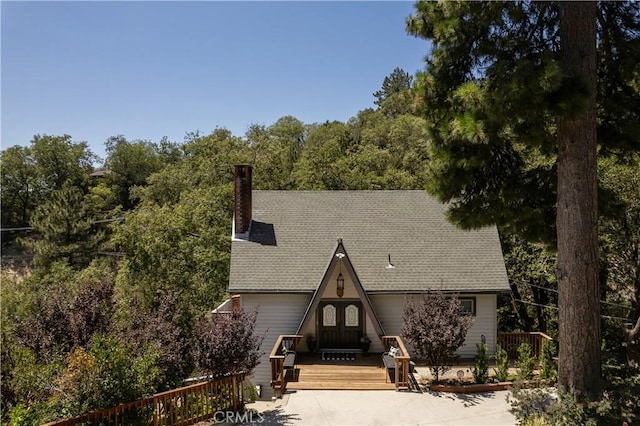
281,314
390,309
277,314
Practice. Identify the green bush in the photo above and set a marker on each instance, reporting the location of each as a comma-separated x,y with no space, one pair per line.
619,402
621,396
548,368
21,415
105,375
541,406
501,370
481,369
525,362
528,403
537,420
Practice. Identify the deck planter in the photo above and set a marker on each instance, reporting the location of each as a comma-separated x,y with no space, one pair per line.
471,387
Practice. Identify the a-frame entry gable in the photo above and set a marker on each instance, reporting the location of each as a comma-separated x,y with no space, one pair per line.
350,271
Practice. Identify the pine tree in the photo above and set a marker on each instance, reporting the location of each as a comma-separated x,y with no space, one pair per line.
510,99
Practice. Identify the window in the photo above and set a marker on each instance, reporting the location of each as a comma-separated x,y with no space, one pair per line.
329,316
352,316
468,304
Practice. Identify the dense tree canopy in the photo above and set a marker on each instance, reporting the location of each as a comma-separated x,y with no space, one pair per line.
510,100
129,165
493,90
129,262
275,150
31,174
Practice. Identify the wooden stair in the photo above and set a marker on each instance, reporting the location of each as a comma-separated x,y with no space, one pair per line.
366,373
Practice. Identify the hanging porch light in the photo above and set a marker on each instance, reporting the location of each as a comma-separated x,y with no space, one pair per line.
340,279
340,285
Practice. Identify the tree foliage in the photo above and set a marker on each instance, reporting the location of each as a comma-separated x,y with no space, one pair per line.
492,91
65,313
123,300
161,331
395,96
481,368
182,247
226,343
620,257
275,150
31,174
102,376
61,161
510,99
491,146
322,165
65,230
19,181
129,165
533,300
436,326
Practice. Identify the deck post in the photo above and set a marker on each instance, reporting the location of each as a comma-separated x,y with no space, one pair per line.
276,358
156,410
234,393
401,361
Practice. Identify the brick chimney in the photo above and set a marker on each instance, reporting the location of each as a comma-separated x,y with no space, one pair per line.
242,198
235,303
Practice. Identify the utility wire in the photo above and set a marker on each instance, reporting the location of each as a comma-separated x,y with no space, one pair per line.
26,228
556,291
109,220
556,308
30,228
112,253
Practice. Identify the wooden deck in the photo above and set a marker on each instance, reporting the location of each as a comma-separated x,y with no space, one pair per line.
364,373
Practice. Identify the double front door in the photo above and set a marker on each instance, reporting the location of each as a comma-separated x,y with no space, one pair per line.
341,324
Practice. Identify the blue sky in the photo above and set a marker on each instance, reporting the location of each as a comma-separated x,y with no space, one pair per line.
151,69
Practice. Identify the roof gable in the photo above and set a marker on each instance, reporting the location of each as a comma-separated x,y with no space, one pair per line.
340,255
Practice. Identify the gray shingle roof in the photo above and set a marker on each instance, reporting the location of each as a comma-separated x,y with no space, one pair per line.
297,231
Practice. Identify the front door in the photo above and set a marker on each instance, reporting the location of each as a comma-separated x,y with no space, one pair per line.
341,324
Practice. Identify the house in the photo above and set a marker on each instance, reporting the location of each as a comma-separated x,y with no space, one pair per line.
338,265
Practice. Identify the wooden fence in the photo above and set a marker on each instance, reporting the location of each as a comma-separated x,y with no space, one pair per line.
511,341
184,406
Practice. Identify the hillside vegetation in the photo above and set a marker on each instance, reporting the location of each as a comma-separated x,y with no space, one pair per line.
119,267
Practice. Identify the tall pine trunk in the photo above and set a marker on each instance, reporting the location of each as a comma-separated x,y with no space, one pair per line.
579,301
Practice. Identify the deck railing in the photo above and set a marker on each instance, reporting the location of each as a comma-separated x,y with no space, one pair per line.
276,358
184,406
403,361
511,341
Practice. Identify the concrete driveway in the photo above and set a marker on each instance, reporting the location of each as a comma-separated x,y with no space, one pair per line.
327,407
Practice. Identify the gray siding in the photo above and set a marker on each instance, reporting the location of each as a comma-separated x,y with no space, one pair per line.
484,323
277,314
391,307
282,313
